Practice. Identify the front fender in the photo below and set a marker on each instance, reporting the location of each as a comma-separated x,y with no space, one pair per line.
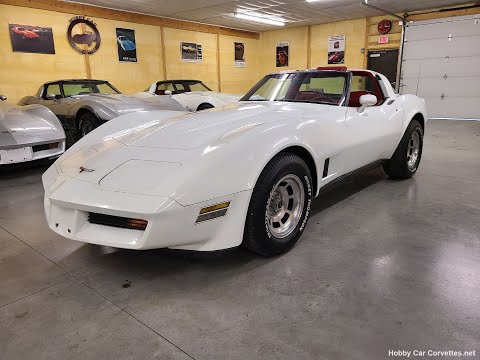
413,105
101,111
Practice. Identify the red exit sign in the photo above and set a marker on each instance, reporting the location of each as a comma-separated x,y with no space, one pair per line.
383,39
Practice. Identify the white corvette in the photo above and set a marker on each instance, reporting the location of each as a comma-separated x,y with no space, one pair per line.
244,174
191,94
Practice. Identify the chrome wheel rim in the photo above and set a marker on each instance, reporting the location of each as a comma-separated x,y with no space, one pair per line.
413,150
285,206
86,128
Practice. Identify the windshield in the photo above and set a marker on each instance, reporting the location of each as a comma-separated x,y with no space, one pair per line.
323,87
85,88
197,86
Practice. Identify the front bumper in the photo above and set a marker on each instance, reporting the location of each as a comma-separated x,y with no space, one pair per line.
68,203
30,152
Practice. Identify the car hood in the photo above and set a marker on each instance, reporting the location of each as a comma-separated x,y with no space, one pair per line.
24,125
124,104
191,130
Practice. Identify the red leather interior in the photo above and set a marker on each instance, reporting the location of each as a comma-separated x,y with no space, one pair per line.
160,92
355,97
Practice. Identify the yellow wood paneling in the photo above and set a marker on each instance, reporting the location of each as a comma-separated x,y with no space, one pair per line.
354,31
239,80
177,69
22,74
128,77
297,59
105,13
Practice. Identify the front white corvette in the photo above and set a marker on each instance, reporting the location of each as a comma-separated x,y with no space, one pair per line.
79,210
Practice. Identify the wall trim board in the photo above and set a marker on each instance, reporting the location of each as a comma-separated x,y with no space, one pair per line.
444,12
111,14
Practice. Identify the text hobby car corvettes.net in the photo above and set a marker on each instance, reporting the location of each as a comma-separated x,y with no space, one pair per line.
84,104
28,133
245,173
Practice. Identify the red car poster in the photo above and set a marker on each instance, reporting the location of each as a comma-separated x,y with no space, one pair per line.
32,39
336,49
282,54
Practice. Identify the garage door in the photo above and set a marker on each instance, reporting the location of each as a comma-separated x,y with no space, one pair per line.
441,63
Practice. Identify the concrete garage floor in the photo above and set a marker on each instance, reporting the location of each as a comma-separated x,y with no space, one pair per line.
382,265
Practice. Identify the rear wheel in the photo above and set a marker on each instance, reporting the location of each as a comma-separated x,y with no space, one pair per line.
204,107
404,162
279,207
87,123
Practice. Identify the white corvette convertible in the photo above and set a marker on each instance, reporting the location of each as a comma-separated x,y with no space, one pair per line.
193,95
244,174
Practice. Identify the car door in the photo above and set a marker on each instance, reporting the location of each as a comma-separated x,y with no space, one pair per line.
372,132
57,106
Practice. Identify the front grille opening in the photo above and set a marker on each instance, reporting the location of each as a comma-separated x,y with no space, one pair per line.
44,147
117,221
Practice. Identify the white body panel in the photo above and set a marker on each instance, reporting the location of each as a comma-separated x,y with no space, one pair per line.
164,167
441,63
25,133
192,100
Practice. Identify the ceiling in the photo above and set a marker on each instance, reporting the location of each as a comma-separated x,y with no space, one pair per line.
294,12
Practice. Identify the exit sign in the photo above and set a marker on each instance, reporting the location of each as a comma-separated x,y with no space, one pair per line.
383,39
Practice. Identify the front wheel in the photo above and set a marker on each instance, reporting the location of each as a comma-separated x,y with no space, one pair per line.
279,207
87,123
404,162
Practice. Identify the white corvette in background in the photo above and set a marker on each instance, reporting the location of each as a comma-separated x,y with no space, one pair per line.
243,174
29,133
191,94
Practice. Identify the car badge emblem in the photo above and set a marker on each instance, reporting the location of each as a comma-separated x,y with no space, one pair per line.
82,169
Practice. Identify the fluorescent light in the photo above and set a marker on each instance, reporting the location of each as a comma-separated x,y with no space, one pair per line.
257,17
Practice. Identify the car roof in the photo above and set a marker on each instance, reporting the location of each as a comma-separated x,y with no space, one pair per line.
182,80
75,80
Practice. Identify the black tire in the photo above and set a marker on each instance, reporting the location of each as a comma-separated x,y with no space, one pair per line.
204,107
402,165
258,236
87,123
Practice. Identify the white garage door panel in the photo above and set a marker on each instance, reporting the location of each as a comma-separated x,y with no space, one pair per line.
441,63
443,29
441,48
453,67
456,87
452,107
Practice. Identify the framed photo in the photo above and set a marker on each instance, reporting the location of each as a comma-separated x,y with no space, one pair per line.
191,52
32,39
336,49
126,45
282,54
239,48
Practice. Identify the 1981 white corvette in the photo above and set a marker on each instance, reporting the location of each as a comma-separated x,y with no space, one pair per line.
244,174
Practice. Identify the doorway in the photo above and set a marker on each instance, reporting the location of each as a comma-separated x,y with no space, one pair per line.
384,62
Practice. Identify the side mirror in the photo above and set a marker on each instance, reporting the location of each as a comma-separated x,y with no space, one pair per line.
51,97
168,92
3,97
366,101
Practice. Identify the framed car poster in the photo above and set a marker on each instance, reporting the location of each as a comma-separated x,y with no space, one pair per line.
239,54
191,52
336,49
281,54
32,39
126,45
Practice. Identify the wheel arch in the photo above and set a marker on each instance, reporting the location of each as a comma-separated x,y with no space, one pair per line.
306,156
420,118
80,112
205,103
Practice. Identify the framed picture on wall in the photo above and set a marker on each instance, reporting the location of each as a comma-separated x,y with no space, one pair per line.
126,45
191,52
282,54
239,54
336,49
32,39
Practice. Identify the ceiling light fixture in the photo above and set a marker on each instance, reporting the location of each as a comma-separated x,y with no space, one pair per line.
257,17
